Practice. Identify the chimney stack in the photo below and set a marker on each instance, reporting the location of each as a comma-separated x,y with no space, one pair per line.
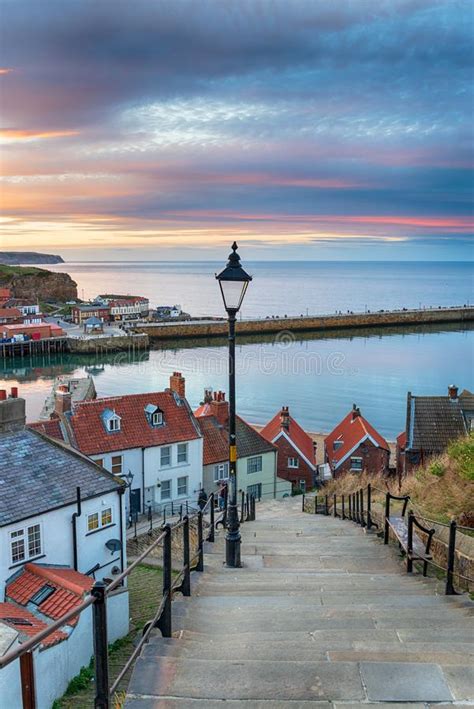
12,413
62,400
285,417
220,408
355,411
453,392
178,384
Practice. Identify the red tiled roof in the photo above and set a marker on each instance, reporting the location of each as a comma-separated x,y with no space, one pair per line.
215,440
203,410
10,312
91,437
351,431
296,434
402,440
10,610
51,428
69,586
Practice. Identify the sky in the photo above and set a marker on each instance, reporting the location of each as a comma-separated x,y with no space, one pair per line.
304,129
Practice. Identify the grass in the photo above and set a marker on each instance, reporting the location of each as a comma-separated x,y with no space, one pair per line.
7,273
145,584
443,489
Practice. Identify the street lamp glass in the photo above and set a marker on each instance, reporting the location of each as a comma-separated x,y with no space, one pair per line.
233,282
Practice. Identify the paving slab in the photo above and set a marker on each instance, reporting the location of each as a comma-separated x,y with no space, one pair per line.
169,703
404,682
461,681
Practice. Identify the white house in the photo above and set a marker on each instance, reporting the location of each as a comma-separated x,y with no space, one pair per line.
61,528
153,440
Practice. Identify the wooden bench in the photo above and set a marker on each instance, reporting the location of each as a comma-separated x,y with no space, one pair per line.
403,529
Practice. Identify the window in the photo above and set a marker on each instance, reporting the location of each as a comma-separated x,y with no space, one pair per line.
183,486
255,490
99,461
113,424
337,444
165,456
25,543
106,517
221,472
117,464
303,485
92,522
182,452
157,418
293,463
254,465
45,592
356,463
165,489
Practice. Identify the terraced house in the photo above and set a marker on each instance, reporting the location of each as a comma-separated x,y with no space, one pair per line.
256,457
152,439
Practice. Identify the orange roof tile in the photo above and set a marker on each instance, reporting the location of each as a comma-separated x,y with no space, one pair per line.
297,435
92,438
51,428
351,432
402,439
31,626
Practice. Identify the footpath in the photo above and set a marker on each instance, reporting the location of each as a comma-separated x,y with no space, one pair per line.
321,615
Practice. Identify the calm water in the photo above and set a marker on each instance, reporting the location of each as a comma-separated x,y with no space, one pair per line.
282,288
318,378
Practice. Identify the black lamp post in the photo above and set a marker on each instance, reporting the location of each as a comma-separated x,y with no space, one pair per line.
233,282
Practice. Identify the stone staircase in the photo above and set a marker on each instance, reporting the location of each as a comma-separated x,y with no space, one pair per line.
321,615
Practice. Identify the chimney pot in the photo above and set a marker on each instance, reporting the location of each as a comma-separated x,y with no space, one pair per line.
453,392
3,394
14,392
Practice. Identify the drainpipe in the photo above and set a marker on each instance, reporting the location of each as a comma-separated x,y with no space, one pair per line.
74,527
143,481
121,492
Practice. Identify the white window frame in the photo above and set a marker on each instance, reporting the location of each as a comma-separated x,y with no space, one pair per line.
113,424
255,459
22,535
167,497
157,418
293,462
162,450
89,516
100,519
182,494
180,448
102,512
359,460
221,472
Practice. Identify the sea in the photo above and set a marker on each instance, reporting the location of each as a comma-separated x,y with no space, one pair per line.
319,376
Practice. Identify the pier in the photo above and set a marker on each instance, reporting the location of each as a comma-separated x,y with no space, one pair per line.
81,345
308,323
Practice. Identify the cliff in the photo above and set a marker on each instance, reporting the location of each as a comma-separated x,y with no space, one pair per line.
38,284
14,258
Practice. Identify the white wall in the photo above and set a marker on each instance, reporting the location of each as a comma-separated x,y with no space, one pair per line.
57,539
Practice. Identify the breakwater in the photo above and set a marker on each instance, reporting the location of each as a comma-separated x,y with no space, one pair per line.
321,323
100,344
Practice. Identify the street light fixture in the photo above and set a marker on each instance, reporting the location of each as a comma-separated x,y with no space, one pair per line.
233,282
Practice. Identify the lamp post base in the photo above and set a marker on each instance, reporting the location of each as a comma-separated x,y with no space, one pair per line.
232,551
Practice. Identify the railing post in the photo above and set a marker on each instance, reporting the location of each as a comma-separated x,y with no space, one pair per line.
334,499
101,662
369,506
27,677
181,513
410,543
211,537
200,564
315,504
326,505
164,623
242,507
247,507
253,507
186,585
350,506
150,518
451,556
361,495
358,506
302,503
343,509
387,516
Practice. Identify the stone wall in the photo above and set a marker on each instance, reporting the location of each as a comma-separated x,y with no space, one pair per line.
93,345
326,322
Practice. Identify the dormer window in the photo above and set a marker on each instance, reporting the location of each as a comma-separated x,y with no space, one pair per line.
154,415
111,421
337,445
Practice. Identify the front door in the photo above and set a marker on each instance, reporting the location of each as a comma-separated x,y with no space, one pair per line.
135,501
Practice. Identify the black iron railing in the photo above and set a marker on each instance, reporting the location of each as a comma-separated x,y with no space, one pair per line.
358,507
173,582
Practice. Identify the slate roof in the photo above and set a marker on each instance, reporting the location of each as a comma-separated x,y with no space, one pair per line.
38,474
216,440
350,432
91,437
433,422
69,588
297,435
